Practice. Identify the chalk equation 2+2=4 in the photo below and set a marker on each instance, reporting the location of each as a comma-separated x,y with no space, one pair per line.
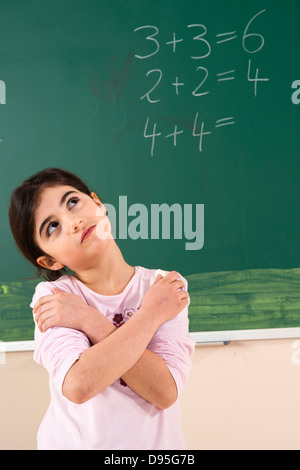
252,43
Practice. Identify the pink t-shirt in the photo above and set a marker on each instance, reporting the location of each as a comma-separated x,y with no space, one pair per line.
116,418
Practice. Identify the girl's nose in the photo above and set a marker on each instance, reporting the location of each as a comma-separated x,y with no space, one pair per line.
76,224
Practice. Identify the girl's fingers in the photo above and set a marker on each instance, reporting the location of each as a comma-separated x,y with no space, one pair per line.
172,276
42,308
158,278
178,284
42,301
184,295
44,320
46,298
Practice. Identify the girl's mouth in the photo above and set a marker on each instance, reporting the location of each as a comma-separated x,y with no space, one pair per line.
87,232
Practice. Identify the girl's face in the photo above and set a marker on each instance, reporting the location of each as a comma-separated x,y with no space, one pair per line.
71,228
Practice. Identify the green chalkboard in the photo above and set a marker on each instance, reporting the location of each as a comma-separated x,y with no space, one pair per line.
194,105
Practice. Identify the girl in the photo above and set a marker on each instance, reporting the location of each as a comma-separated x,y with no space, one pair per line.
113,338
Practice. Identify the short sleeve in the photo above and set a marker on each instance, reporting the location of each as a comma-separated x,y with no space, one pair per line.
58,348
175,346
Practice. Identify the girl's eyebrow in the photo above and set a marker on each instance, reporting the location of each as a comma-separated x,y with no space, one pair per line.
60,204
44,223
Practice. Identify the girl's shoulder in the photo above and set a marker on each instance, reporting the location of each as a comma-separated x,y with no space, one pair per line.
149,273
46,288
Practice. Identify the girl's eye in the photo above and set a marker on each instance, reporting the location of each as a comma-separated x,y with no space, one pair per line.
51,227
72,202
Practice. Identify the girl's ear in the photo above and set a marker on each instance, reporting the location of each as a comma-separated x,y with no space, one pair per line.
96,199
49,263
101,209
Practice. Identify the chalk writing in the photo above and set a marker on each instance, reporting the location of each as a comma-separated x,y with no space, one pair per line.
198,46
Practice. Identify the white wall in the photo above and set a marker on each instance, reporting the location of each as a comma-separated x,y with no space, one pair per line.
242,396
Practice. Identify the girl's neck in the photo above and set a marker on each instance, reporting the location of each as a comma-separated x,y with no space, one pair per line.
111,273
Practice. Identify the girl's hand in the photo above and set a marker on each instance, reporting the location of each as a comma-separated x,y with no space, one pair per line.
60,309
166,298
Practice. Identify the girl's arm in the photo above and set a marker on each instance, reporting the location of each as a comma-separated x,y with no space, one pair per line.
122,353
149,377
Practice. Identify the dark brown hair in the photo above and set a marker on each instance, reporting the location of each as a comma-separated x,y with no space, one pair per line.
23,203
